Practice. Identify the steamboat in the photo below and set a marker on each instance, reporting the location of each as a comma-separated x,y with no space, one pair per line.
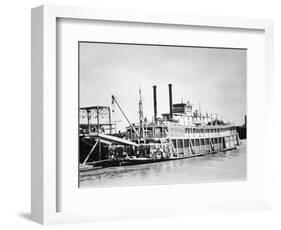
179,134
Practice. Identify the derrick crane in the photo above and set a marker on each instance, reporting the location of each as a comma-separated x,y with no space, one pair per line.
115,101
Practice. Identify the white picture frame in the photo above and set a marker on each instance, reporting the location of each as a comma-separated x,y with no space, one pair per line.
45,163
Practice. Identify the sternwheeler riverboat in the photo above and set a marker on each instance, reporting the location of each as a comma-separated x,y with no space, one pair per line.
179,134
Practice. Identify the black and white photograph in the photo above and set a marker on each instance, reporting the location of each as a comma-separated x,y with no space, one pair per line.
153,114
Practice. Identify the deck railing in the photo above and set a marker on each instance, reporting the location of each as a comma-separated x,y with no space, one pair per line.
173,134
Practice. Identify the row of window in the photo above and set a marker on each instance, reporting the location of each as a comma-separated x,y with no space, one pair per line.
196,142
196,130
160,132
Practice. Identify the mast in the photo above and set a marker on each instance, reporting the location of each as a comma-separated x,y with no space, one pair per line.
200,111
141,125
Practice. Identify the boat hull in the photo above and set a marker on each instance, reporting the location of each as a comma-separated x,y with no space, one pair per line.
138,161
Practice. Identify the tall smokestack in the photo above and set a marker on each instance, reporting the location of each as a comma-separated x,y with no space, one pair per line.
155,101
171,101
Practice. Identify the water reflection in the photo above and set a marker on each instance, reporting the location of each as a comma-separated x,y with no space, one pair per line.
212,167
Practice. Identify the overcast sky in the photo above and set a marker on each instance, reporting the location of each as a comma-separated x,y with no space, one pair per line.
215,78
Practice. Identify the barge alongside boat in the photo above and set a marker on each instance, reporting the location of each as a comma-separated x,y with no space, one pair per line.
179,134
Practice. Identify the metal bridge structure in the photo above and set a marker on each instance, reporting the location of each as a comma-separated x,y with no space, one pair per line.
96,119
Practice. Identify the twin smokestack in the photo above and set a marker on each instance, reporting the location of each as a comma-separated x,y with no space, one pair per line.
155,101
171,101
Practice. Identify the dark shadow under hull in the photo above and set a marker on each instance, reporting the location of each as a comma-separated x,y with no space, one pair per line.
138,161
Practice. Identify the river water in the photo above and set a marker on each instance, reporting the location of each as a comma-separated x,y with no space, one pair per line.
229,166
